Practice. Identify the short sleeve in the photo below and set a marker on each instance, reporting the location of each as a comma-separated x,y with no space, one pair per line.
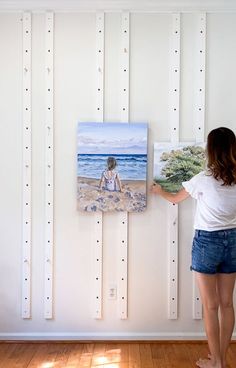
193,186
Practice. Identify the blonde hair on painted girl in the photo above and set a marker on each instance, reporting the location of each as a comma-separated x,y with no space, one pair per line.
111,163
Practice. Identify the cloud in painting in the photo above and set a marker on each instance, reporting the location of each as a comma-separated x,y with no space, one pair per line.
112,138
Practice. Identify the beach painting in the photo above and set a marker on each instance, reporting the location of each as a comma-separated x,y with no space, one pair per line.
177,162
111,167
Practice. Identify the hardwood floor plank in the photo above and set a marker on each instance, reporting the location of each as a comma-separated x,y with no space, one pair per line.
158,356
146,356
134,356
21,356
86,356
74,356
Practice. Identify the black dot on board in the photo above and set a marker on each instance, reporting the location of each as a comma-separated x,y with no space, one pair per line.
173,298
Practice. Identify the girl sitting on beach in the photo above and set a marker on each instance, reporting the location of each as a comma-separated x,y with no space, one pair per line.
110,177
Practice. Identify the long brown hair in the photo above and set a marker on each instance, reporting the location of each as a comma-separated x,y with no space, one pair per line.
221,155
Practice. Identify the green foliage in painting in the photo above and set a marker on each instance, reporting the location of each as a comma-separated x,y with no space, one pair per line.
181,165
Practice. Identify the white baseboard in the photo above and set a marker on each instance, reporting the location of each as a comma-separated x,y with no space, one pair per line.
94,336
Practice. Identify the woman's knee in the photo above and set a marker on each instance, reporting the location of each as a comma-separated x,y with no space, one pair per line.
211,304
226,303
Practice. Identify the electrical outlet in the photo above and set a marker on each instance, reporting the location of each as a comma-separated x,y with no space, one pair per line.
112,292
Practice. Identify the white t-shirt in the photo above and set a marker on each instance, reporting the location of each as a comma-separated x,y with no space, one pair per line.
216,203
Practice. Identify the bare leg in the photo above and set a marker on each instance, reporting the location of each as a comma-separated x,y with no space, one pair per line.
225,288
208,289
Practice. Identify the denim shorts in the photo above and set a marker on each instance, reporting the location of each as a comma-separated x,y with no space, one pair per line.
214,251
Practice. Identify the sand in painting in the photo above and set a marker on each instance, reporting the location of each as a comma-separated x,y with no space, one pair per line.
91,199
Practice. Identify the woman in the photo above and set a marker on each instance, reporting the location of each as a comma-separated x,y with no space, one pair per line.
214,243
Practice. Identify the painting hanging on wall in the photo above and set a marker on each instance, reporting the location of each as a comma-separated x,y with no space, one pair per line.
177,162
111,167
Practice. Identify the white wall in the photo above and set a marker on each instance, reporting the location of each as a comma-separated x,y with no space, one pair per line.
75,101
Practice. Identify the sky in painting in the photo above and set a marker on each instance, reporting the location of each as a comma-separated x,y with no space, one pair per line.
112,138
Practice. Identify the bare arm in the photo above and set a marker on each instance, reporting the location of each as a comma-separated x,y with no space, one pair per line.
119,182
101,182
171,197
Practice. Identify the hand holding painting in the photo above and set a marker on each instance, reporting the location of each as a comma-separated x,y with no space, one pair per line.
171,197
110,177
214,242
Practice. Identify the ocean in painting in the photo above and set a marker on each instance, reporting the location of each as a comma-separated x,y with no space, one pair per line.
129,166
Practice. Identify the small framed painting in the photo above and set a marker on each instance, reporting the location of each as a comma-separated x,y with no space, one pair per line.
177,162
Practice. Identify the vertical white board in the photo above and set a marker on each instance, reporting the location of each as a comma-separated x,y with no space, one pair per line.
174,94
98,216
49,165
199,120
27,169
123,217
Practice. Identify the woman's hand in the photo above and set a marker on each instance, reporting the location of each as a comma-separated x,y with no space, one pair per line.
155,189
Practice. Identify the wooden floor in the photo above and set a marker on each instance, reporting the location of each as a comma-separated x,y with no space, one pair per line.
106,355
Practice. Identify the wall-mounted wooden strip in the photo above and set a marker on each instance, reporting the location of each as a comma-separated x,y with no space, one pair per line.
26,182
49,165
199,121
174,94
98,216
123,217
